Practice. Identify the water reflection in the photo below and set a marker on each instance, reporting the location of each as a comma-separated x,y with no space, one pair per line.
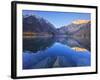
37,44
54,52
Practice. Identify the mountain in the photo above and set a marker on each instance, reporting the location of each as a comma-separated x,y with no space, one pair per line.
79,30
80,21
37,24
34,25
75,27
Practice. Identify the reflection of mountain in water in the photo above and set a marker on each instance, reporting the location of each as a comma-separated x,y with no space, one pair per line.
37,44
79,30
75,42
53,47
86,43
58,55
68,41
40,44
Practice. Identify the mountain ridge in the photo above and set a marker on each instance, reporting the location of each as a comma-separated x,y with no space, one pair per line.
40,25
73,27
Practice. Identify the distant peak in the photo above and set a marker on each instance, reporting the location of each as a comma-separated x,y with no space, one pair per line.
32,15
81,21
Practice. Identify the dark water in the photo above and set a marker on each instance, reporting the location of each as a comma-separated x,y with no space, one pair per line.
54,52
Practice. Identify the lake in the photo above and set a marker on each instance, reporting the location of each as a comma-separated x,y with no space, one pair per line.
55,52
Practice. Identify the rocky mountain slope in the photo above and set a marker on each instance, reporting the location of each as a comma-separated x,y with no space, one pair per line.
37,24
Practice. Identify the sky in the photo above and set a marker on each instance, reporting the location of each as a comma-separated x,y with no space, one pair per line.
59,19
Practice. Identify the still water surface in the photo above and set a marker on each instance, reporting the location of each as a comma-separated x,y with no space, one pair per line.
54,52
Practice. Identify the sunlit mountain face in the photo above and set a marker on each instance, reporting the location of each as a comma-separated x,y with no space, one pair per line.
81,21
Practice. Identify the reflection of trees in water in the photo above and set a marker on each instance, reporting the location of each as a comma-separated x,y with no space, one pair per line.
37,44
